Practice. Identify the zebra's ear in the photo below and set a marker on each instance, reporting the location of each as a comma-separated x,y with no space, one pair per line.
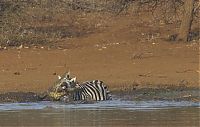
67,75
59,77
73,79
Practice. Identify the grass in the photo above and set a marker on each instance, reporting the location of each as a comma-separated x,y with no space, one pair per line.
41,22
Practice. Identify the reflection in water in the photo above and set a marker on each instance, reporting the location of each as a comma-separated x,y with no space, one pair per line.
62,116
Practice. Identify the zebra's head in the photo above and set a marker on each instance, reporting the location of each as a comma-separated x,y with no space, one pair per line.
64,86
66,83
57,87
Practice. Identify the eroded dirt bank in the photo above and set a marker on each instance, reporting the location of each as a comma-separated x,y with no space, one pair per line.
123,52
131,71
120,65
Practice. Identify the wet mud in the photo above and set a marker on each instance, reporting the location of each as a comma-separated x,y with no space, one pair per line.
19,97
172,93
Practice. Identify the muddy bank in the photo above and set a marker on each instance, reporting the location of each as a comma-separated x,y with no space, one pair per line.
170,93
19,97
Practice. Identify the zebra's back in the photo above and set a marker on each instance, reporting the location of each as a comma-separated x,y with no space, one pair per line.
93,90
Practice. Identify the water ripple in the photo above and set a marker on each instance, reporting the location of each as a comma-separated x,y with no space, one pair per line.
103,105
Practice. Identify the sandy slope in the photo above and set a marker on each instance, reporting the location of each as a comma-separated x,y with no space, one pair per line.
118,54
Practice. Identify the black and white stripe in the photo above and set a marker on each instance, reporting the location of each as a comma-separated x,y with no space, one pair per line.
94,90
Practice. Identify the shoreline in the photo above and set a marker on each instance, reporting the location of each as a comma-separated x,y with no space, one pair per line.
168,93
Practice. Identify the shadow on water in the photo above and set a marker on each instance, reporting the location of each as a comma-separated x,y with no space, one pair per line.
106,113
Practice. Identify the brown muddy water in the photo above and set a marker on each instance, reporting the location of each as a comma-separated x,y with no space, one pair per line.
105,114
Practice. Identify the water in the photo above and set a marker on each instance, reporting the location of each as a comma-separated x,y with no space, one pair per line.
107,113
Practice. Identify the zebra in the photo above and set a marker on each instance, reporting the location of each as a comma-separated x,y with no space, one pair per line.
94,90
56,92
67,89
